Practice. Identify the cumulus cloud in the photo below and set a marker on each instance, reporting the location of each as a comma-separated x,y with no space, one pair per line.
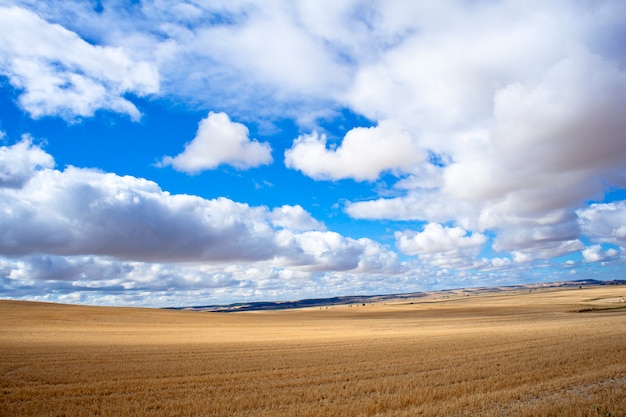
326,250
437,238
561,133
442,246
81,212
521,142
605,223
596,253
220,141
363,154
547,250
19,162
294,218
60,74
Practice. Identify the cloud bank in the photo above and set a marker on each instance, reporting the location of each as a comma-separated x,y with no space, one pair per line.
78,212
92,229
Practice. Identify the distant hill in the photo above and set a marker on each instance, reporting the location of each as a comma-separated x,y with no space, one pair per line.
370,299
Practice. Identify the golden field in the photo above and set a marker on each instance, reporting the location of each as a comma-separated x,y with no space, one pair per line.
524,353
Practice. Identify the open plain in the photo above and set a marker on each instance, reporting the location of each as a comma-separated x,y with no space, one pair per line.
548,352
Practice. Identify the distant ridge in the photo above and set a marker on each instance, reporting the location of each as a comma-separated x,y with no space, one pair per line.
369,299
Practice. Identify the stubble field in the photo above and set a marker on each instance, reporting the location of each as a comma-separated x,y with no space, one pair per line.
531,353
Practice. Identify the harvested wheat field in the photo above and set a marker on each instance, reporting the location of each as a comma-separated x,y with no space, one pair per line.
557,352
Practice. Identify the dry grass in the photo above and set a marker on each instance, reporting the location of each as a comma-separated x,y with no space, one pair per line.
522,354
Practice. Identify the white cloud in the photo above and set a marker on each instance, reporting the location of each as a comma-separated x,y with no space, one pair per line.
531,121
79,211
19,162
253,58
266,43
605,223
82,212
60,74
363,154
417,204
294,218
68,269
330,251
437,238
564,132
547,250
101,280
543,235
554,142
220,141
596,253
440,79
449,247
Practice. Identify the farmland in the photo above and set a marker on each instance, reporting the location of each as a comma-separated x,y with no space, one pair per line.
559,352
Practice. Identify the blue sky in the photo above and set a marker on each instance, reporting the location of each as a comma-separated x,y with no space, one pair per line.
170,153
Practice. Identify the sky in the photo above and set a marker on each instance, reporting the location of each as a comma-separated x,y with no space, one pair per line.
174,153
